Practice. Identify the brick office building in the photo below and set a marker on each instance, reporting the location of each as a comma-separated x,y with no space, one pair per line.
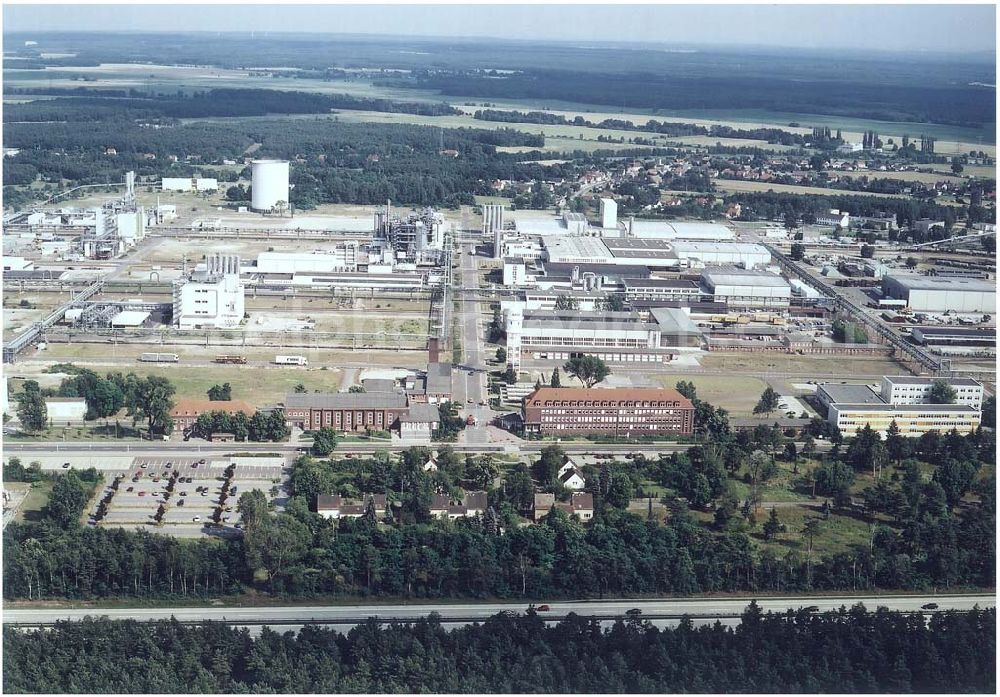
345,411
620,411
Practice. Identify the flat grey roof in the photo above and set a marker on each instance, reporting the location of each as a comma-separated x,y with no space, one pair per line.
439,378
957,332
850,394
942,408
739,277
918,282
915,380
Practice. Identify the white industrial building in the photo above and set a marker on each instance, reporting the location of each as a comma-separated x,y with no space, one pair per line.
609,214
341,256
189,184
663,230
902,399
269,185
742,289
909,389
212,297
940,294
722,253
65,411
835,218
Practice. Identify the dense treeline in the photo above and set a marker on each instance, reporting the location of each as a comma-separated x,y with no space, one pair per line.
957,105
851,650
89,105
769,205
668,128
334,162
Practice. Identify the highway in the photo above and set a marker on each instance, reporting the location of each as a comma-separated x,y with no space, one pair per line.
464,613
86,449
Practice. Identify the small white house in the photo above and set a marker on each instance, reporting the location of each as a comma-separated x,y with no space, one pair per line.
431,465
66,411
570,477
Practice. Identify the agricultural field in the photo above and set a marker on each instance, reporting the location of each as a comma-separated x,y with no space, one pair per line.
738,185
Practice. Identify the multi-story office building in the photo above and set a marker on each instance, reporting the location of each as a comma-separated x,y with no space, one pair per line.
907,389
618,411
905,400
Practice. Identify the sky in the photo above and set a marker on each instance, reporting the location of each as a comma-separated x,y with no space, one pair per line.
936,28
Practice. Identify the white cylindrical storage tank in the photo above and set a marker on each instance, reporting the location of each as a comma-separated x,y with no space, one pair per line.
269,184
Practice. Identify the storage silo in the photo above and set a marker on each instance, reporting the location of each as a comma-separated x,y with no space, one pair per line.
269,184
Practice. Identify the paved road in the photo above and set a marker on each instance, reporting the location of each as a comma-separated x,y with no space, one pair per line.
469,382
469,612
83,449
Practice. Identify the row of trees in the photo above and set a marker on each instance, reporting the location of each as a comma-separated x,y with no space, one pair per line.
262,426
851,650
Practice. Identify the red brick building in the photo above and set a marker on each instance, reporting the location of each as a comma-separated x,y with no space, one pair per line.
345,411
620,411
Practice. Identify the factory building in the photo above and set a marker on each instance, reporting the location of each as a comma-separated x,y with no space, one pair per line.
669,289
742,290
189,184
609,214
213,296
417,238
620,411
269,185
954,337
722,253
652,253
340,256
493,227
663,230
937,294
614,337
902,399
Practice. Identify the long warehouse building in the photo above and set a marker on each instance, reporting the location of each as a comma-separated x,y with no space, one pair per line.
939,294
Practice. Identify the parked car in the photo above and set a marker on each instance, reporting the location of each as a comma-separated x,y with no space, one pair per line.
142,493
65,465
144,465
929,606
184,493
130,489
543,608
197,518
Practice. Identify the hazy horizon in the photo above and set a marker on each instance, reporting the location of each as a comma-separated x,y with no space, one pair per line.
930,29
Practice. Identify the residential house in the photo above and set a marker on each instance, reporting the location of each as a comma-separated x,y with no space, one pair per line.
471,504
336,507
580,505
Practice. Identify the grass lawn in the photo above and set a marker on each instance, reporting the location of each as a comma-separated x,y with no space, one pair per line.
34,502
805,365
737,393
838,534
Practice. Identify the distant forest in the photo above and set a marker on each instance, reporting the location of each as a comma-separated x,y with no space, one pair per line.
849,651
872,84
958,106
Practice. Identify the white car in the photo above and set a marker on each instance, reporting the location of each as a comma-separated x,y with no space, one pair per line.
197,518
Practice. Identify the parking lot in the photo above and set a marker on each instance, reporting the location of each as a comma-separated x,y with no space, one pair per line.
197,495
